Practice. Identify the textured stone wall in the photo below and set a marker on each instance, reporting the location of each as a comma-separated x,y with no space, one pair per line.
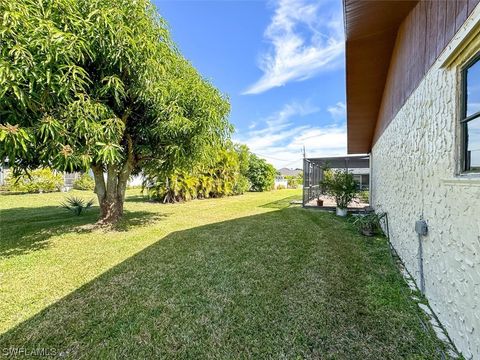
415,175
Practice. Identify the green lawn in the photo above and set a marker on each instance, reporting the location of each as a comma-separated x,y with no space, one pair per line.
239,277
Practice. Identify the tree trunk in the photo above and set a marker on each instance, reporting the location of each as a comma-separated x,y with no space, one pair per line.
111,193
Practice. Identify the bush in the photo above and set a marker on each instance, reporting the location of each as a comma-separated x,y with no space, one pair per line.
293,181
222,172
177,187
40,180
241,185
77,205
370,224
260,174
84,182
341,185
364,196
281,187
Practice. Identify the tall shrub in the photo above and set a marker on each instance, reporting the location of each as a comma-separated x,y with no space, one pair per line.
260,174
217,174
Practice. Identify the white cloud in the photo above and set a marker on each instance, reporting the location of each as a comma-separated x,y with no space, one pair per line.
281,142
337,111
304,40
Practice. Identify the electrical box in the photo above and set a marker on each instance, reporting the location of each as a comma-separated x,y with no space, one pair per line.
421,227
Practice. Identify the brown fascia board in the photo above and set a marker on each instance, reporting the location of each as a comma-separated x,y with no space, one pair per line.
370,29
367,68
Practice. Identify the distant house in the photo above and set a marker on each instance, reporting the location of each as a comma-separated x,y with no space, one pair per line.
361,177
284,178
290,172
280,182
413,103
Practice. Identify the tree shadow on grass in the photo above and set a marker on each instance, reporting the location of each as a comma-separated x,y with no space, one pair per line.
140,198
282,203
132,219
285,284
16,193
24,230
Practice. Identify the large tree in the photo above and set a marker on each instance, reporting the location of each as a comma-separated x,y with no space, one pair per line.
99,84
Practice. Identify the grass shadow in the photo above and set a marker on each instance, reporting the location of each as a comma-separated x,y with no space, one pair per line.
284,284
11,193
23,230
133,219
140,199
282,203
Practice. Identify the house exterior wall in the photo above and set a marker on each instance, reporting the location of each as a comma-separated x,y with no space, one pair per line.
280,182
421,38
414,175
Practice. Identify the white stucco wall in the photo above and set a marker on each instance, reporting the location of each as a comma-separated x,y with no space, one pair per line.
414,175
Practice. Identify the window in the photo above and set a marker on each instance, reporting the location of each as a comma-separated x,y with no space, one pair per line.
470,121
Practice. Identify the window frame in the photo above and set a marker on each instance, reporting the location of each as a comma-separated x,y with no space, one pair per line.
464,119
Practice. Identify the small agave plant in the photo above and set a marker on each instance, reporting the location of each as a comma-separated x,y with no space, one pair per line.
77,205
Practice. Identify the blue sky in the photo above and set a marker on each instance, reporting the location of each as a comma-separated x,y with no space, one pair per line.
281,63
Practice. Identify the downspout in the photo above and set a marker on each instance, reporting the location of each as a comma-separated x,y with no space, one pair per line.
421,229
420,264
370,180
